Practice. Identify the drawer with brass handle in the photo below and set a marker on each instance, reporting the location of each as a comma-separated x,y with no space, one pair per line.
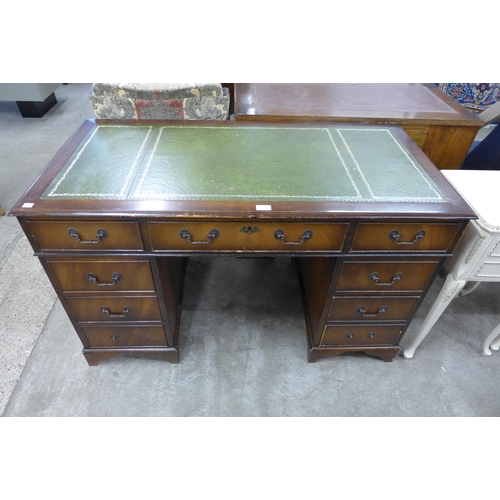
247,236
371,308
98,275
339,335
110,308
124,335
86,236
404,237
383,276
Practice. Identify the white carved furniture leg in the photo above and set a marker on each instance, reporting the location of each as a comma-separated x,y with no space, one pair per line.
492,341
450,290
495,345
470,289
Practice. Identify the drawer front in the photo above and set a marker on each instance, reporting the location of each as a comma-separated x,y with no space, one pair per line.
401,237
125,336
489,269
108,308
371,308
360,335
495,251
243,236
87,236
385,276
94,275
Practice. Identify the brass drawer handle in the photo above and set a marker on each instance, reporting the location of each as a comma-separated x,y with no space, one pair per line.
212,235
394,235
371,335
362,311
279,234
115,277
114,336
101,234
374,277
126,310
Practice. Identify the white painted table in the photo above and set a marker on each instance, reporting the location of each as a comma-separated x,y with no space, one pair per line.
477,256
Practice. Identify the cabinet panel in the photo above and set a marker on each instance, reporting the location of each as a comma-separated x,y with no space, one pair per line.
495,251
489,269
418,133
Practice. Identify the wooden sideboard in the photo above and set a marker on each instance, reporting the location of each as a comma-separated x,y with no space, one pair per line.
441,127
117,213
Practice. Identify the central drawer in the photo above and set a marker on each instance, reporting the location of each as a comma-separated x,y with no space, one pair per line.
107,308
371,308
243,236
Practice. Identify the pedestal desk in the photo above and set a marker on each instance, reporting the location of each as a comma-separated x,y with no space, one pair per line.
441,127
117,213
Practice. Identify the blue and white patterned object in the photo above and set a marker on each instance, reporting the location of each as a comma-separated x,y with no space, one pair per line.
475,96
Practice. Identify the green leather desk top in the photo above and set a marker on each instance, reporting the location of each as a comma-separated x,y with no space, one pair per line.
168,162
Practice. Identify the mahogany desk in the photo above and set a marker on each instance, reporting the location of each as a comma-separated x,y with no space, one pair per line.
119,210
441,127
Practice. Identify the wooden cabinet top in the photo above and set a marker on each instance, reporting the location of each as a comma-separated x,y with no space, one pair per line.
230,169
399,103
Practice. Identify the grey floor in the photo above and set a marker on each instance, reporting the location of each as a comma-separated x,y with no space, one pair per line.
243,346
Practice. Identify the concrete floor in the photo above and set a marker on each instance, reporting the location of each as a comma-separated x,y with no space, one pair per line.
243,345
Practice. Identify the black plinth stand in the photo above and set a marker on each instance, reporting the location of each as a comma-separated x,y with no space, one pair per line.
36,109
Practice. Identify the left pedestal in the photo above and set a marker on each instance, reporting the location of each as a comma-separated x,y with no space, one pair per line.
121,300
